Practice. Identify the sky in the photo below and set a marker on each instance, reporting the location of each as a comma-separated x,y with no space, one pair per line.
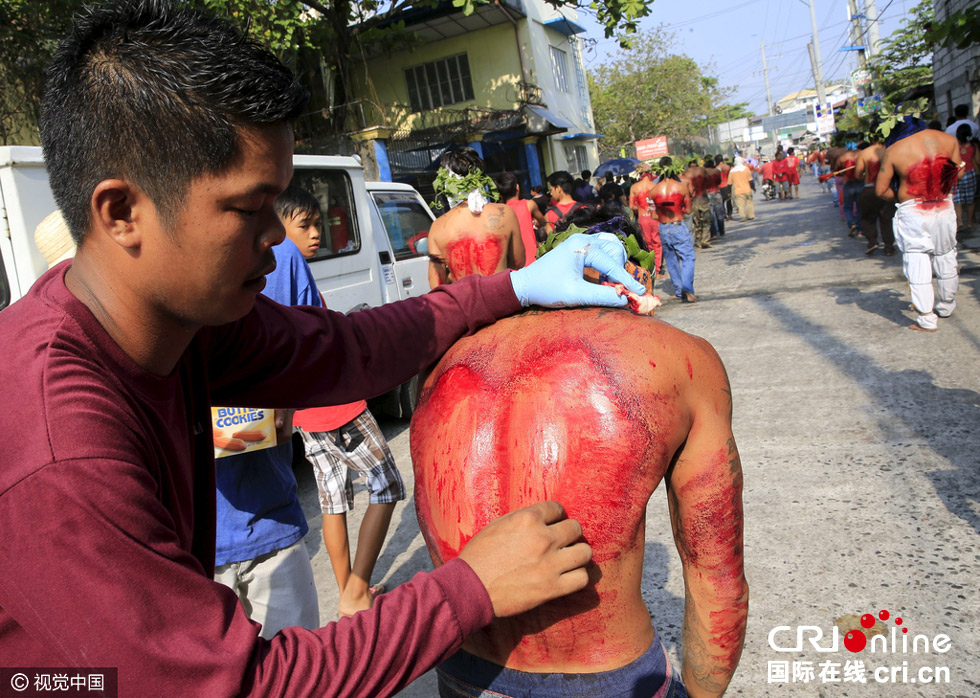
725,36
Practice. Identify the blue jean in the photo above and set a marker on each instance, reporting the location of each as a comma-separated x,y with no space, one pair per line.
650,676
852,192
678,256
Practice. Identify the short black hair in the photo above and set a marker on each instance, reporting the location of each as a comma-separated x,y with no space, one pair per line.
666,161
296,201
964,132
791,151
507,185
462,161
156,93
586,175
609,175
588,215
961,111
935,125
563,179
719,158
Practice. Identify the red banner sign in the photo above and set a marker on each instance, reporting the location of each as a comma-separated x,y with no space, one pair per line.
651,148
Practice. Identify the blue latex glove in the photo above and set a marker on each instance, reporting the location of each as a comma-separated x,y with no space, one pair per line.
555,280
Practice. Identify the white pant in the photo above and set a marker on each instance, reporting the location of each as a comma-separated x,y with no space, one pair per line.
276,589
926,235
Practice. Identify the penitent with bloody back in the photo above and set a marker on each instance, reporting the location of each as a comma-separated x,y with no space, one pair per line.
595,409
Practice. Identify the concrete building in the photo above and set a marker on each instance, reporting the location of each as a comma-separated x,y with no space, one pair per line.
805,99
956,72
508,80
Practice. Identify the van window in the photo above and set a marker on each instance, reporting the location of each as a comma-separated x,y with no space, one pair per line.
406,221
332,188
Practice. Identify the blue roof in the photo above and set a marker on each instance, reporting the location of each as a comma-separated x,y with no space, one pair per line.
565,26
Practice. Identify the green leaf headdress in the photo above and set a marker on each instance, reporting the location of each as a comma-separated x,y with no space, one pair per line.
457,188
892,116
668,171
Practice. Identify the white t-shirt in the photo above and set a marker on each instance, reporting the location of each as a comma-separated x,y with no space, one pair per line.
951,129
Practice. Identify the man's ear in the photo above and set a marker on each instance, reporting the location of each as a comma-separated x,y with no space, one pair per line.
116,210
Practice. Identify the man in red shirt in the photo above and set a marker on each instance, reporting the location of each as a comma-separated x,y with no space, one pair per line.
167,179
529,216
561,185
793,174
780,175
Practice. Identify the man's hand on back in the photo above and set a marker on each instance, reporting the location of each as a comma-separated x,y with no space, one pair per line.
528,557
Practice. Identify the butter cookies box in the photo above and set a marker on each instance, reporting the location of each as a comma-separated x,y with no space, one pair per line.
240,430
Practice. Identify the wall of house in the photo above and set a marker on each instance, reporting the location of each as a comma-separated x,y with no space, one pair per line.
956,72
494,68
574,105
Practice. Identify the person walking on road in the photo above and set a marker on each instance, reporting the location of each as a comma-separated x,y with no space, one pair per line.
927,164
740,178
875,212
695,179
672,199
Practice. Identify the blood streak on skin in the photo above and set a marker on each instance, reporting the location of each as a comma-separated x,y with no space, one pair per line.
711,534
525,411
673,200
874,167
467,256
690,369
930,181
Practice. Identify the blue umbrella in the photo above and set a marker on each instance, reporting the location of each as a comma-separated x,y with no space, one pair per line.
618,166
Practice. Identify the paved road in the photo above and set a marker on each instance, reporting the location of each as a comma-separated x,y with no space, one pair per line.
858,442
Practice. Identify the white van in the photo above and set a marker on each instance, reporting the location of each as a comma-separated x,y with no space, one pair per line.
373,249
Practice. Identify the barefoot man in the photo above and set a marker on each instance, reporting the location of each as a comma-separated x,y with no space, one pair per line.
640,204
475,236
595,408
927,163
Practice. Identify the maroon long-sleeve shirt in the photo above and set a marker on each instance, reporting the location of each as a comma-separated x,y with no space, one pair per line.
107,496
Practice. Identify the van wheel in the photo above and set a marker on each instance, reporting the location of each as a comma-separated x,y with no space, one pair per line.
408,397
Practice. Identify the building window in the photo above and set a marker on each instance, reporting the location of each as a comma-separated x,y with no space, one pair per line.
436,84
559,63
577,157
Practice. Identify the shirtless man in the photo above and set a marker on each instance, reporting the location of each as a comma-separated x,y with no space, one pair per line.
640,204
694,177
850,189
874,211
712,179
672,199
927,163
640,402
726,189
481,240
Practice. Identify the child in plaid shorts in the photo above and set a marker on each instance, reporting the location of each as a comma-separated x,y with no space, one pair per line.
334,451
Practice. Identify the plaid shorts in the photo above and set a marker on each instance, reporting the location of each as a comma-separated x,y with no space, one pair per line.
966,188
358,445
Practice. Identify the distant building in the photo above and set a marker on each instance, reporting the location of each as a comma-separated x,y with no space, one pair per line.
508,80
805,99
956,72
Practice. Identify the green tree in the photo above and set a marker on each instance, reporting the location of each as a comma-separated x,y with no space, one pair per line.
650,90
905,59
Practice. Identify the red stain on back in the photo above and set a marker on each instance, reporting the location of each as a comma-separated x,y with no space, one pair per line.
690,369
932,179
874,167
467,256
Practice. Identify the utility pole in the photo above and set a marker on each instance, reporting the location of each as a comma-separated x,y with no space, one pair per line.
857,38
815,59
765,72
874,34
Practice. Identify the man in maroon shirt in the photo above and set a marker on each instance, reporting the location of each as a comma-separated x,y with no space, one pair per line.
167,141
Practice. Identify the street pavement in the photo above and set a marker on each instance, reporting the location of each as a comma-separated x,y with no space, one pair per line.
860,457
